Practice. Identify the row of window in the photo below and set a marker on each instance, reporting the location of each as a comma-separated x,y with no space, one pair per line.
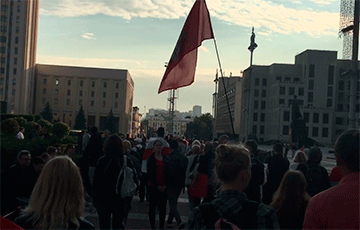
81,83
5,8
287,79
257,82
314,133
263,104
68,93
92,103
4,29
3,50
2,70
291,91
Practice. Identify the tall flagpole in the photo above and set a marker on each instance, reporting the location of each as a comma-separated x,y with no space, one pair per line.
223,81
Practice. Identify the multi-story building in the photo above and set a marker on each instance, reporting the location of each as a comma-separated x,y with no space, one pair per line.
136,122
197,110
322,88
67,88
156,118
18,37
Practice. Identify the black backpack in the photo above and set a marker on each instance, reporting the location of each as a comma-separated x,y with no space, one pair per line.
245,219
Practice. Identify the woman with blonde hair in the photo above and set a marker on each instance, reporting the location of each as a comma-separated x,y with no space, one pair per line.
290,200
300,160
57,201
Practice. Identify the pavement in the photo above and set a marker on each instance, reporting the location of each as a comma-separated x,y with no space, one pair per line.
138,216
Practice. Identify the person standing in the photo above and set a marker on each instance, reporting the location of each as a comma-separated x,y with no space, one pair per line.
20,134
93,151
338,207
157,168
175,180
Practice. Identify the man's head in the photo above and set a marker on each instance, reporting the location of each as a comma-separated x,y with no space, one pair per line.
347,151
251,145
24,158
22,129
106,133
173,144
38,163
315,154
52,151
278,148
93,130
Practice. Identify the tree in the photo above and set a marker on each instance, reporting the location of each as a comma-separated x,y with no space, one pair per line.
60,130
80,120
47,113
9,126
110,123
200,128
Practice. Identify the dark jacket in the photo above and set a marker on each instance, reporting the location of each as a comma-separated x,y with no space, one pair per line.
257,179
151,169
26,222
94,149
177,170
318,179
106,177
278,166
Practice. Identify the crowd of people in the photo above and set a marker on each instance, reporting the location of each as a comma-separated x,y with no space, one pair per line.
229,185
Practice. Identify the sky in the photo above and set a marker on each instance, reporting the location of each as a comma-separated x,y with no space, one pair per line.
140,35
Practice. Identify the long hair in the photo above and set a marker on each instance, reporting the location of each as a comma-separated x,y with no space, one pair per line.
58,196
114,146
291,199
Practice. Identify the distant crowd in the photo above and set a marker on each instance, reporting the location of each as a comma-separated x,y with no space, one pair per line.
229,185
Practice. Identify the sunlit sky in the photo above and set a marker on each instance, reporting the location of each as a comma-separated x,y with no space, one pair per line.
140,35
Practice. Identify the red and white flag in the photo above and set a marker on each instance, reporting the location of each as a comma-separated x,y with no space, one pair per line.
180,71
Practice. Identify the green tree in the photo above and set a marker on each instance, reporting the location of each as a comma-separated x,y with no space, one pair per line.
47,112
60,130
200,128
45,124
10,126
21,121
110,123
80,120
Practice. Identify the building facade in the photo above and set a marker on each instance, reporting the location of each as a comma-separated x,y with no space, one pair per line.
197,110
317,79
67,88
18,40
136,122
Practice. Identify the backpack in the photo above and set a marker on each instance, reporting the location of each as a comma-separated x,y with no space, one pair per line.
245,219
129,184
314,179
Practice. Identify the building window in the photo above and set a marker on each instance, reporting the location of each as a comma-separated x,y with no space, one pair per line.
285,130
68,92
301,91
2,70
3,49
16,50
44,100
296,80
339,121
310,97
341,85
316,118
57,82
16,40
115,104
93,84
14,81
104,94
69,82
80,93
3,39
312,71
92,93
256,93
306,117
13,92
116,95
291,91
282,90
357,108
282,101
81,83
263,105
80,102
262,129
67,101
330,91
287,79
315,131
56,92
91,103
278,79
262,117
56,101
264,83
286,116
256,104
44,91
18,9
325,132
311,84
44,81
331,75
328,103
325,118
105,84
14,71
257,81
254,129
117,85
263,93
104,104
17,29
340,107
255,116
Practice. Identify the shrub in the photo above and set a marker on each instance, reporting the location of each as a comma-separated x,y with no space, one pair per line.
37,117
10,126
21,121
45,124
30,128
60,130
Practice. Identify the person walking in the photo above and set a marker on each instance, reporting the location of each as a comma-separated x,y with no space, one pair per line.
57,201
231,208
338,207
290,200
157,169
175,181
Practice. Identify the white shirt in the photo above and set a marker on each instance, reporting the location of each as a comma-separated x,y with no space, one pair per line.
20,136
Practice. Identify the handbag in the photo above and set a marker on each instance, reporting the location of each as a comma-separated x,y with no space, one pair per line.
199,186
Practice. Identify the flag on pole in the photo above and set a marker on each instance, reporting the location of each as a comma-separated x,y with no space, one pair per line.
180,71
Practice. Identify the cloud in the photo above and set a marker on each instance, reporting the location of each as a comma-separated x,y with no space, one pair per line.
265,14
204,49
89,36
